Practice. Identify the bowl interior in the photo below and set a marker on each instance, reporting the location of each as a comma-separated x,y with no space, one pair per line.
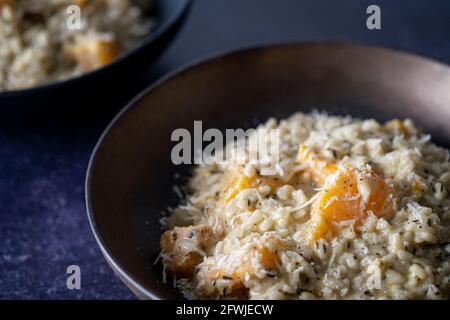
130,178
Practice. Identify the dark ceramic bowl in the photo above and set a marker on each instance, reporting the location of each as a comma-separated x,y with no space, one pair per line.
130,176
95,91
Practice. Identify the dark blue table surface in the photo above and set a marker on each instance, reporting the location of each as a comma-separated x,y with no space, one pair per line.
43,224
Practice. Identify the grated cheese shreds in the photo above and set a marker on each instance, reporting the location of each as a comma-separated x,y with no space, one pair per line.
274,240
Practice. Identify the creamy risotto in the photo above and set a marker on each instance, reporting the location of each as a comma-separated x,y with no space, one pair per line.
37,47
357,210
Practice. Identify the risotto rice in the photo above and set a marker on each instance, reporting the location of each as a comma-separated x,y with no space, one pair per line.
357,210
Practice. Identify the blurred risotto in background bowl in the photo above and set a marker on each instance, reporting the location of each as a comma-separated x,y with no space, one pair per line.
37,46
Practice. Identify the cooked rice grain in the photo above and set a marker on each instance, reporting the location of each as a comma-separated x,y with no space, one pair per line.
260,249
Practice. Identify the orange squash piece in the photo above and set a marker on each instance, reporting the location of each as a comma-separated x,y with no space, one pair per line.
319,167
6,2
236,181
81,3
179,246
233,183
397,126
93,53
268,259
349,194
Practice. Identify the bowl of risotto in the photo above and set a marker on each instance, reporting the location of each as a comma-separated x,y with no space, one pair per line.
355,204
62,52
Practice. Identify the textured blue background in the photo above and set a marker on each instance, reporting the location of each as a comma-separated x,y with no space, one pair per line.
43,224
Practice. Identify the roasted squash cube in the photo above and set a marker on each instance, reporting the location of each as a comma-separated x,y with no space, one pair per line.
93,52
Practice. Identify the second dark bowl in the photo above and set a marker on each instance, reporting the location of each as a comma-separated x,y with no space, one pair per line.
95,92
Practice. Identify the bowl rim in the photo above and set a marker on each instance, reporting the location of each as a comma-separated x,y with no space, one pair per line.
120,271
154,35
